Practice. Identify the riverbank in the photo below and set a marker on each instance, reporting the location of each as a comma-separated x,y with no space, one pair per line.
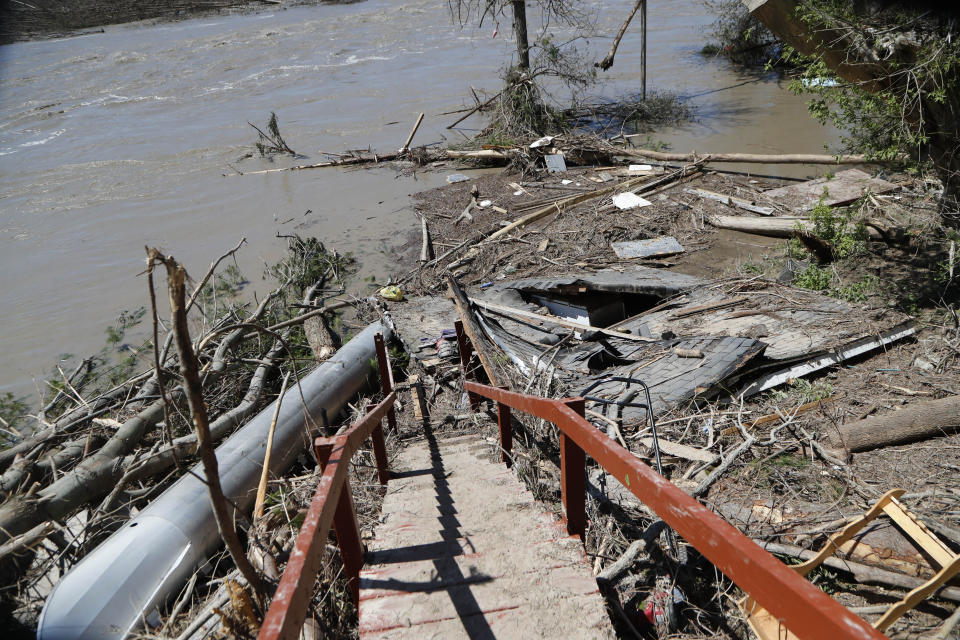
785,461
132,130
623,228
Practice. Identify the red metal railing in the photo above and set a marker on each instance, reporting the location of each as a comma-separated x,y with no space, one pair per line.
332,505
802,608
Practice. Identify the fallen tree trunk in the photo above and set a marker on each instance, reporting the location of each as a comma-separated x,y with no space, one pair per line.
750,158
315,329
913,422
143,466
376,158
91,479
65,425
778,227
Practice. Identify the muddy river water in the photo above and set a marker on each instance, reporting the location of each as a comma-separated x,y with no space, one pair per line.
113,141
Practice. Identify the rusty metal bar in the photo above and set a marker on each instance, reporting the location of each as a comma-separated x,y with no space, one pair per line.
348,539
573,488
380,454
289,606
344,520
332,505
386,378
465,347
506,433
802,608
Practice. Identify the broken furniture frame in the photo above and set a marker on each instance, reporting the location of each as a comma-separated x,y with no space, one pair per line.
332,504
766,627
797,604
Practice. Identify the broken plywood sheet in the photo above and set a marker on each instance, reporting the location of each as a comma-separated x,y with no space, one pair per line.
640,280
842,188
794,323
672,379
748,330
651,248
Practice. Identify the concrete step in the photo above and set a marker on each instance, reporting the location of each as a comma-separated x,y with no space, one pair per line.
463,551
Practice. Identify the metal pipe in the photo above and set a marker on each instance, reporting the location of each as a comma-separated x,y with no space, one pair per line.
122,583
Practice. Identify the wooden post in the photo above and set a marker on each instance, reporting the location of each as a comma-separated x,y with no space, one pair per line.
413,132
348,538
383,364
380,454
466,357
572,478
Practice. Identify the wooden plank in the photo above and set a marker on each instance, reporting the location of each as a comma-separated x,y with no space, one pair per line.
732,201
499,308
712,306
840,189
416,394
681,450
918,532
473,331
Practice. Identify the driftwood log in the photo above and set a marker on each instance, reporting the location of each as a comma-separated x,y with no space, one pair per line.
778,227
91,479
751,158
913,422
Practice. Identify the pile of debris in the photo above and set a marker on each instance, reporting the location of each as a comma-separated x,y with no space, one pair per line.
608,282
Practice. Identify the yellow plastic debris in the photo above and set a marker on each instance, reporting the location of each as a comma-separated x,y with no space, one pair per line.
391,293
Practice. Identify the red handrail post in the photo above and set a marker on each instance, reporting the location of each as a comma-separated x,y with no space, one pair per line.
383,363
506,432
348,538
573,488
323,448
466,356
344,520
380,454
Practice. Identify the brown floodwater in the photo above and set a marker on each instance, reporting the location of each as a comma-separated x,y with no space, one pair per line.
113,141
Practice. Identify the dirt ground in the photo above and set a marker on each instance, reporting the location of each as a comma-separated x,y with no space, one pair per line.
781,491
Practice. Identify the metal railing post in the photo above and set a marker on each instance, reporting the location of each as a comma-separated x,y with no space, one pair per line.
348,538
466,356
323,448
506,432
383,363
380,454
344,522
573,488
